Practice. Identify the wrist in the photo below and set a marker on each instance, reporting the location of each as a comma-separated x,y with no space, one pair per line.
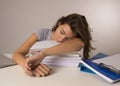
43,54
40,55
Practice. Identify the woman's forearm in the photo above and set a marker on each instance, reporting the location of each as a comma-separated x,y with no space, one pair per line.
19,55
65,47
19,59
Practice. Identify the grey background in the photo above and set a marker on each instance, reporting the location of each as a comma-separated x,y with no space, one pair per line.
20,18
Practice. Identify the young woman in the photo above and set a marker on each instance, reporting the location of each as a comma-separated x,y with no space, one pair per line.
71,31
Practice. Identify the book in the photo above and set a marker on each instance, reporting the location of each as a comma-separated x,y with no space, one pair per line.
113,60
62,60
38,46
103,72
97,56
68,59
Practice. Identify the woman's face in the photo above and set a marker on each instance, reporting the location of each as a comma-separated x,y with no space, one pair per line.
62,33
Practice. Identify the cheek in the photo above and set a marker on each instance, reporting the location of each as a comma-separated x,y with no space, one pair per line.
57,32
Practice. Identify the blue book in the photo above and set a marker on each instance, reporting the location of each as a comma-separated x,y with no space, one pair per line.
83,68
106,74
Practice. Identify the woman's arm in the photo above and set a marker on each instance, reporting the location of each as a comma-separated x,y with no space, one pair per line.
20,59
19,54
68,46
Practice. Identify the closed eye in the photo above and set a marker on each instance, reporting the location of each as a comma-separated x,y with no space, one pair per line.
62,32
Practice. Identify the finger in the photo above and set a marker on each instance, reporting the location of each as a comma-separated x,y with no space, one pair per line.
35,73
28,64
41,73
28,72
43,70
46,67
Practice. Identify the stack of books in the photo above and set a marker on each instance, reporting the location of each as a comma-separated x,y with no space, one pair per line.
70,59
62,60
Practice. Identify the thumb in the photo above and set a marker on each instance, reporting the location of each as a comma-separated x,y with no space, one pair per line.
28,64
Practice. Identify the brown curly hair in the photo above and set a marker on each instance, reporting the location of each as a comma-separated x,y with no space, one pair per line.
80,28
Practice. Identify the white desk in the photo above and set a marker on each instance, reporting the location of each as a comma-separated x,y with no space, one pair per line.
60,76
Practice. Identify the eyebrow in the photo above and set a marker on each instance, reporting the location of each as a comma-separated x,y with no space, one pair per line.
65,34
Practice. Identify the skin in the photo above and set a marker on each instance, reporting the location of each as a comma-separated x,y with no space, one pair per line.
32,65
62,33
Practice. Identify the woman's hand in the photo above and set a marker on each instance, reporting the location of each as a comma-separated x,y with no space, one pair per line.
34,60
41,70
28,72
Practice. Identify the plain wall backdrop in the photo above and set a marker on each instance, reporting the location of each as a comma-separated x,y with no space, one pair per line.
20,18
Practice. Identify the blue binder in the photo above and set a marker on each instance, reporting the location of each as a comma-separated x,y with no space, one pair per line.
108,75
83,68
97,56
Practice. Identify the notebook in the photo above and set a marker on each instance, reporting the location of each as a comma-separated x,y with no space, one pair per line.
113,60
5,61
110,70
104,73
83,68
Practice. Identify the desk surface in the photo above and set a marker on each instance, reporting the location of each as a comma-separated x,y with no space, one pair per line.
60,76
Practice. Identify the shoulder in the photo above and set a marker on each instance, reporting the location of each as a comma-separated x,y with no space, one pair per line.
42,34
43,31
